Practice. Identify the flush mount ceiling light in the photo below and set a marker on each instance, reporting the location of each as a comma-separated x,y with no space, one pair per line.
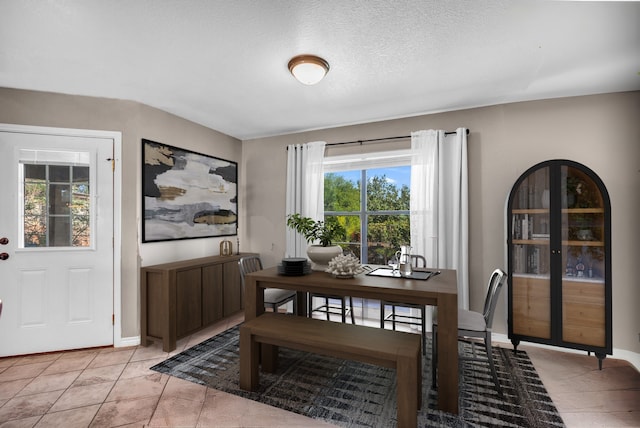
308,69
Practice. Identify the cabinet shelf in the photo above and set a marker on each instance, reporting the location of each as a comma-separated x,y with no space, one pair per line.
564,278
582,244
583,279
531,211
531,241
582,211
530,275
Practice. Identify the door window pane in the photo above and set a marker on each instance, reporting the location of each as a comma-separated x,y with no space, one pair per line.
59,199
58,173
80,174
59,232
35,172
56,206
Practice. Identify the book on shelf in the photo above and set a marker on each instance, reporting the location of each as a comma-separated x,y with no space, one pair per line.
529,227
533,260
530,259
521,226
540,236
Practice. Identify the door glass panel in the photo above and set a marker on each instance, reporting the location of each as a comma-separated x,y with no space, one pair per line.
56,204
59,199
80,215
59,231
59,173
35,172
582,226
530,256
80,174
530,225
583,253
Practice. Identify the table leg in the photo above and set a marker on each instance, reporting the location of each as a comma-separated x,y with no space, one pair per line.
254,299
448,353
301,303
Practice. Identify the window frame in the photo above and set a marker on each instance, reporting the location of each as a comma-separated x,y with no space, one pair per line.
364,162
55,158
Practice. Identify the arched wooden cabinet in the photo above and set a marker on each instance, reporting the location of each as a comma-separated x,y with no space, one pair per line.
559,258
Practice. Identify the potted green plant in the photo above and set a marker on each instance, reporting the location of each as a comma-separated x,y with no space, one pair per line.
321,235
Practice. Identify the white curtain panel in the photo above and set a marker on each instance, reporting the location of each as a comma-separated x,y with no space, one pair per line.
439,203
305,190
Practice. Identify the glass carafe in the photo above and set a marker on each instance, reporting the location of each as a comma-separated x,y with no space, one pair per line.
404,260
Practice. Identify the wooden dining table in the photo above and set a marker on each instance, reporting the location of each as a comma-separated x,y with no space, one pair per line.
440,290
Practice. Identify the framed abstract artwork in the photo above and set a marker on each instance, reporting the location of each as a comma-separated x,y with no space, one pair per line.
187,195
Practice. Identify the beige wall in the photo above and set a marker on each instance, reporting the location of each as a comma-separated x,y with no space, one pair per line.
135,121
602,132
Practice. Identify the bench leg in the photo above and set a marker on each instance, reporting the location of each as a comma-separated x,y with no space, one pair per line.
269,358
249,360
408,392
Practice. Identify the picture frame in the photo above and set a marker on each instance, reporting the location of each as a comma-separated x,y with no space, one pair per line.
187,195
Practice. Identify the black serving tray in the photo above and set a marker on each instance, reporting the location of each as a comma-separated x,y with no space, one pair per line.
416,274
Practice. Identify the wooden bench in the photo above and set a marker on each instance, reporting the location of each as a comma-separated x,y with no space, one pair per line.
386,348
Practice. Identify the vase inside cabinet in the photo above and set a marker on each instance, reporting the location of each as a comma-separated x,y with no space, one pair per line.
559,258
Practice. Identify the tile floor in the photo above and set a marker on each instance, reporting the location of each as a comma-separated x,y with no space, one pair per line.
113,387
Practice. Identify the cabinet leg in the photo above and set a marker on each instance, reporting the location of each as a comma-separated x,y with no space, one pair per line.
601,357
515,343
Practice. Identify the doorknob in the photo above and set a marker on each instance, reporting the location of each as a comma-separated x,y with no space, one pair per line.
4,241
4,256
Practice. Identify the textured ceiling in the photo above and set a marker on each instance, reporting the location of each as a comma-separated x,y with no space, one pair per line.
223,64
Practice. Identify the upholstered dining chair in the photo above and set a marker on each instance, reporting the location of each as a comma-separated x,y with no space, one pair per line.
475,325
417,261
273,297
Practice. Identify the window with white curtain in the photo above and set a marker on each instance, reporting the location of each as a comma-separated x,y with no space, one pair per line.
369,194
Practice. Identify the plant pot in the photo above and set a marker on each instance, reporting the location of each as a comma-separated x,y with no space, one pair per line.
321,256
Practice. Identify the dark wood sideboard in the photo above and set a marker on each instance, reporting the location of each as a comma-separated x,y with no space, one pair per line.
179,298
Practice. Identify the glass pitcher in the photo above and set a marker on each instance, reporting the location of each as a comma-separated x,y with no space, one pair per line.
404,260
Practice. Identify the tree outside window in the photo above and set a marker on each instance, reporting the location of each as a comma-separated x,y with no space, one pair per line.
373,208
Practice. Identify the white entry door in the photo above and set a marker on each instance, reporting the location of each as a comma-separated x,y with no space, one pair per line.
56,242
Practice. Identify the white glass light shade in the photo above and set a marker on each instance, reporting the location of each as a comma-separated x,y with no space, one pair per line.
308,69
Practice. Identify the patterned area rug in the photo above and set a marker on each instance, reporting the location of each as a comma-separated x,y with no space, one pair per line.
352,394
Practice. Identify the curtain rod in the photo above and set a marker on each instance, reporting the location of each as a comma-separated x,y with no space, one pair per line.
383,139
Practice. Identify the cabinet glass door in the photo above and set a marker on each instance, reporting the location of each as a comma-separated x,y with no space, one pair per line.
583,255
530,256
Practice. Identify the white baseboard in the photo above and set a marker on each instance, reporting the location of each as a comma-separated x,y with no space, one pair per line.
622,354
632,357
127,341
